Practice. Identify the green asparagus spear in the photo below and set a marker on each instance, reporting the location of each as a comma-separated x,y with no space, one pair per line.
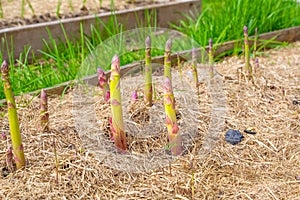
116,106
174,137
148,92
14,126
44,111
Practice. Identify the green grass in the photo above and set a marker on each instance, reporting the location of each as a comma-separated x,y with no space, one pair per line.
222,20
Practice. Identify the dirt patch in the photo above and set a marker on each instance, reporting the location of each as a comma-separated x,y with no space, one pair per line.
263,166
37,12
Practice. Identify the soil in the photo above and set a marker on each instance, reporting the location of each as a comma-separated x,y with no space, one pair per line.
265,165
47,10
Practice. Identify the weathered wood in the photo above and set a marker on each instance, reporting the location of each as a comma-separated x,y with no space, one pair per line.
33,35
285,35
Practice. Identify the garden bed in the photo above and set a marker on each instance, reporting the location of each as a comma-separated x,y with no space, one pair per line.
264,165
35,12
32,33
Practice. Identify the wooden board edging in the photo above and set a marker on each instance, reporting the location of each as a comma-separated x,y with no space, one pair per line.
284,35
33,35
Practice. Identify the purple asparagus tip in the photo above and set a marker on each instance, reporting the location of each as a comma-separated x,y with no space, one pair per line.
115,63
4,66
134,96
43,95
245,30
210,43
148,42
100,72
3,136
107,96
101,77
4,69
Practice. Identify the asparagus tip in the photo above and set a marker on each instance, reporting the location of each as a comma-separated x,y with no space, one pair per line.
4,67
169,45
134,96
148,42
107,96
3,136
115,63
210,43
43,94
256,62
245,30
100,71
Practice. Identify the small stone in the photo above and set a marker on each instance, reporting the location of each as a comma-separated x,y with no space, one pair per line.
295,102
233,136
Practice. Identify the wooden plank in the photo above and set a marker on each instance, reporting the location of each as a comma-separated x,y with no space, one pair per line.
284,35
33,35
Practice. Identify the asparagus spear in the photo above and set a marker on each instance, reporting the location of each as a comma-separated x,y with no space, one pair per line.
167,60
175,141
179,67
248,67
134,96
194,68
14,126
211,58
3,136
116,106
255,43
44,111
103,84
148,74
256,65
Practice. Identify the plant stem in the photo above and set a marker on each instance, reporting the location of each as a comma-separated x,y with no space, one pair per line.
1,10
102,78
175,142
23,9
256,65
211,58
58,7
179,67
71,5
44,111
255,43
56,161
248,67
167,60
116,107
30,6
194,67
14,126
148,74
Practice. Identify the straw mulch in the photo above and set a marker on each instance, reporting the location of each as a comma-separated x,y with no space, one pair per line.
263,166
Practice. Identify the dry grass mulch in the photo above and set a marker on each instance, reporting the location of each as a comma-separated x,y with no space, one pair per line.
263,166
